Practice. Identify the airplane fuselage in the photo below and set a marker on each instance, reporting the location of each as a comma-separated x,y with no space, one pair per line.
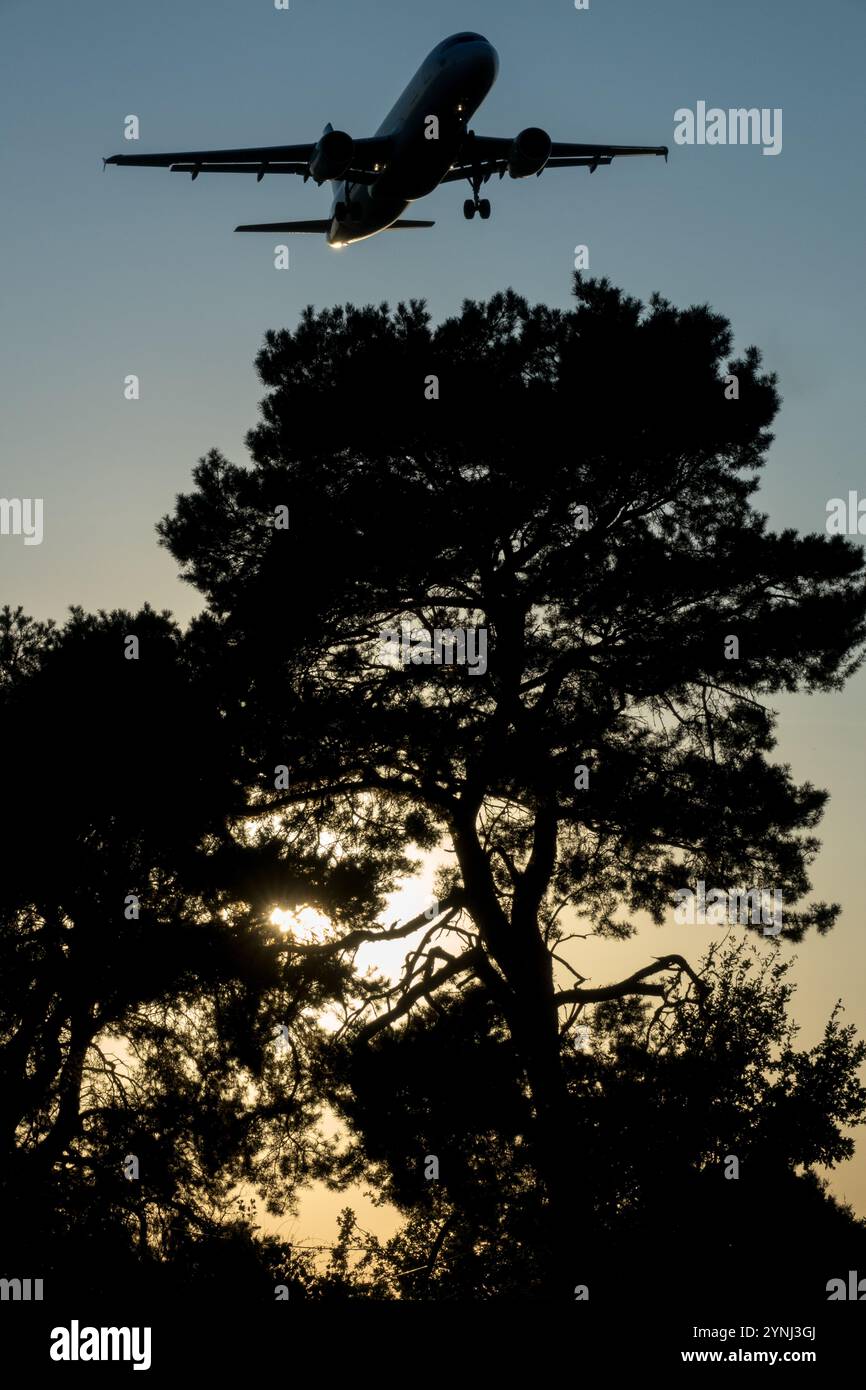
426,128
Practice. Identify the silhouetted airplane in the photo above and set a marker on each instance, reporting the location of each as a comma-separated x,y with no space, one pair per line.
421,143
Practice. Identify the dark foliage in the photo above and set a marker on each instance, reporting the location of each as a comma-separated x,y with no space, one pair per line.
581,491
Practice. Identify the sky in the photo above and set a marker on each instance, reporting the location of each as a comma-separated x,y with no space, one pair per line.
135,271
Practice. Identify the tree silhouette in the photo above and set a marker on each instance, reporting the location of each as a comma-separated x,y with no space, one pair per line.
659,1108
578,485
145,1011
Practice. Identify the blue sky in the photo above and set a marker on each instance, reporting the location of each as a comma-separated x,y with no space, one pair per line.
138,271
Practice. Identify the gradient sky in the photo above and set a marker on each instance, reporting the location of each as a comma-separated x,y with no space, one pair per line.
138,271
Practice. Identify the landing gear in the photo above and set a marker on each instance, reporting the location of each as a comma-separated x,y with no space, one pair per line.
345,210
476,204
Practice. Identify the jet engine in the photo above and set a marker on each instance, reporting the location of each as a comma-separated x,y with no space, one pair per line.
332,156
529,153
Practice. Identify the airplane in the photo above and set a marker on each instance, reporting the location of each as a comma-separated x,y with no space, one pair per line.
423,142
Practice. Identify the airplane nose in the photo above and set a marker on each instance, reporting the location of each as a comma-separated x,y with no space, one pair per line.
488,60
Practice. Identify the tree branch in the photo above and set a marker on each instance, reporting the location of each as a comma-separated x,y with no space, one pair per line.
449,907
456,966
634,984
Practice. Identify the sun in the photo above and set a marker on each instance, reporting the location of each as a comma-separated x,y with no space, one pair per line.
304,924
309,927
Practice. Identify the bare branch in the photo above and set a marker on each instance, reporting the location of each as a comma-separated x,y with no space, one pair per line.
634,984
449,907
456,966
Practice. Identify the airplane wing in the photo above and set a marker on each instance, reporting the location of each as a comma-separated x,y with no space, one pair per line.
489,154
259,160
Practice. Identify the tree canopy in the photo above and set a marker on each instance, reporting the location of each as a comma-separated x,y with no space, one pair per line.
575,489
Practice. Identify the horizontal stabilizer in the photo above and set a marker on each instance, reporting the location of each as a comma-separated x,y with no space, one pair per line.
321,224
